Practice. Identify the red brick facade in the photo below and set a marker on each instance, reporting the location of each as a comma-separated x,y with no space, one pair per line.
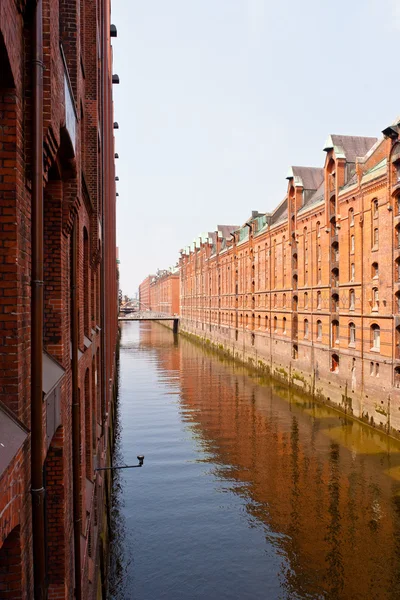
78,196
144,293
164,293
311,291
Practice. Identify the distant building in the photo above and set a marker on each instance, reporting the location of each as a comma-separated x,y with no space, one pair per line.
144,293
164,292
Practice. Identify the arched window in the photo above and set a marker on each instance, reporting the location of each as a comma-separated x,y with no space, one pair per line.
305,300
319,300
335,302
335,363
352,300
352,334
352,244
318,229
398,236
335,332
397,269
319,330
352,272
375,270
275,324
275,299
11,566
266,323
259,321
284,300
284,326
351,217
397,304
86,304
375,208
397,201
375,241
375,298
375,337
306,328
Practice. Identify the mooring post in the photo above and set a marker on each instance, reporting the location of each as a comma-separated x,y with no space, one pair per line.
176,321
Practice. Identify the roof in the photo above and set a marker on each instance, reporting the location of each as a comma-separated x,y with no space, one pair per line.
310,178
12,436
52,373
226,230
349,146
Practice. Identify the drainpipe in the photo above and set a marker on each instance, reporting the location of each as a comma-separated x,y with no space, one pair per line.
37,433
75,414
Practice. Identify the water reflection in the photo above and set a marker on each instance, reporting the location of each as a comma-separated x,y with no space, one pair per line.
320,494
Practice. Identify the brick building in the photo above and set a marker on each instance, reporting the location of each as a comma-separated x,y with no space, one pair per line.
144,293
58,295
164,292
312,290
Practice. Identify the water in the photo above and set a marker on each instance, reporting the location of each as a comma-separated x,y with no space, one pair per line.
247,491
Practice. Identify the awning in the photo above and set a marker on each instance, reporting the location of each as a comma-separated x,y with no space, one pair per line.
12,436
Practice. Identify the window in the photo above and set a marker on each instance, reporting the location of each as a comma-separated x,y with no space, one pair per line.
375,242
335,302
305,300
352,334
266,323
398,236
352,244
284,300
319,252
284,326
319,330
352,272
319,274
335,333
376,369
397,298
306,328
319,300
351,217
275,324
371,368
375,270
397,205
275,299
375,298
318,229
352,300
375,337
259,321
335,363
375,208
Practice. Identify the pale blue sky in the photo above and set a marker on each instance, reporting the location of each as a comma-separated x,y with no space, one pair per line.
219,97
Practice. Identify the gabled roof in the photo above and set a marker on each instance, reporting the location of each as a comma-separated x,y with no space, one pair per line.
310,178
226,230
349,146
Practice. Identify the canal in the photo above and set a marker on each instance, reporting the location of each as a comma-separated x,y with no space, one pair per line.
247,491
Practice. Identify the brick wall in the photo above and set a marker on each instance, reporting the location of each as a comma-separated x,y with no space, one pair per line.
79,186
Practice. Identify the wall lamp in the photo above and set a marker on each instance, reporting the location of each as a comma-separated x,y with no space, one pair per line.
140,464
117,179
115,78
116,126
113,31
116,155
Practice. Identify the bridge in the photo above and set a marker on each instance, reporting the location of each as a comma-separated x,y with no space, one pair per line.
148,315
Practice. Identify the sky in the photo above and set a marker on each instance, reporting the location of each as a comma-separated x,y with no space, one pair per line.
217,98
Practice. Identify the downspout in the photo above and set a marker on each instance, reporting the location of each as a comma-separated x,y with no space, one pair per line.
37,306
102,265
75,415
